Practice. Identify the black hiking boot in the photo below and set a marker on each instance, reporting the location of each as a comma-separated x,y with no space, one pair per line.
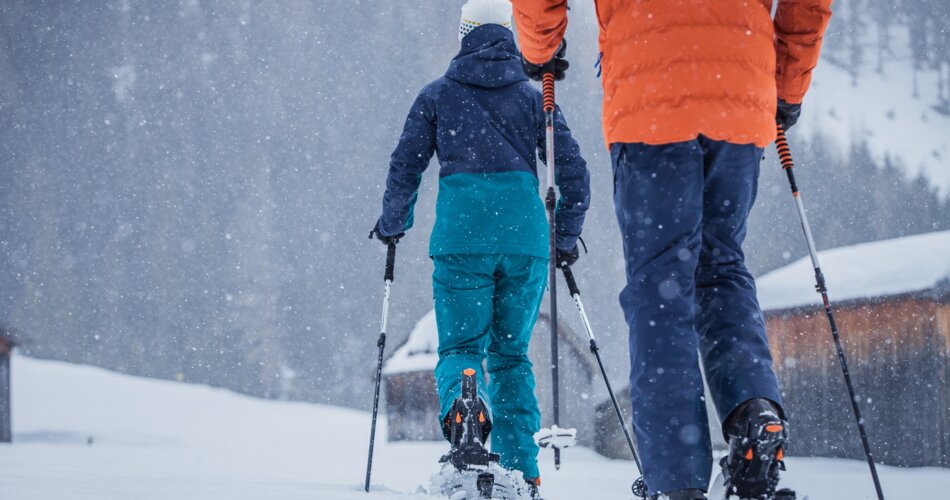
467,427
757,437
688,494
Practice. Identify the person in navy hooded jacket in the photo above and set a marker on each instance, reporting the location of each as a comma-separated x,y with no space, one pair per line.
489,245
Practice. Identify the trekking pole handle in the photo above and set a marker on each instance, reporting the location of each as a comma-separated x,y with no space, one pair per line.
390,263
569,278
547,91
784,152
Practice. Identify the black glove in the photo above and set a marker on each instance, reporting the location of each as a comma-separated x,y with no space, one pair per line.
385,239
566,257
557,65
787,114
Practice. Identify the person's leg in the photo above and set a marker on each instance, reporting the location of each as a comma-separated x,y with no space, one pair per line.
463,286
518,290
658,200
733,343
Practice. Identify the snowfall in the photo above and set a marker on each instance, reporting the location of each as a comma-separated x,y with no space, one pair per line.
86,433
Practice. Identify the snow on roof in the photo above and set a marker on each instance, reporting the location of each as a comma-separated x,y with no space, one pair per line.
876,269
421,350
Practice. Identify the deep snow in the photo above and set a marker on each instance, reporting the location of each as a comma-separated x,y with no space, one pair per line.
86,433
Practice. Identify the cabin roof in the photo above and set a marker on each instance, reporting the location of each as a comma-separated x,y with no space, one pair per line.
420,351
869,270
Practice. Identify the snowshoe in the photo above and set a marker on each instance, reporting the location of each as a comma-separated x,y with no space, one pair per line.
688,494
469,471
757,437
493,482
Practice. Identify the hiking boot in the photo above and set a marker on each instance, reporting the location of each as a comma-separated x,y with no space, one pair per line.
757,436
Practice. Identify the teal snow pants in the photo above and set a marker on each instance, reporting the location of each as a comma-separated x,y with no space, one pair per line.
486,306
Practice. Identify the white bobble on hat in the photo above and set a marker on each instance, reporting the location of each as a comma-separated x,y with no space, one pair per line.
478,12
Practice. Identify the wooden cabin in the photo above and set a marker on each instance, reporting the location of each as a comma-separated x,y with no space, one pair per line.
892,306
412,403
411,400
7,343
609,439
891,301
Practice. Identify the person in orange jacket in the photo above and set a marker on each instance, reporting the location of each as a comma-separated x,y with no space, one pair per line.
692,94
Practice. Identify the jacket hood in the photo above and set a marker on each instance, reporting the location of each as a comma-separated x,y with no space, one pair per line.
489,58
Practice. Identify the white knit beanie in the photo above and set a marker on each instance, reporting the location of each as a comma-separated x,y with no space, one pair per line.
478,12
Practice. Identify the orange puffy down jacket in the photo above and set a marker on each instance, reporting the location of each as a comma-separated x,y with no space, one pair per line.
674,69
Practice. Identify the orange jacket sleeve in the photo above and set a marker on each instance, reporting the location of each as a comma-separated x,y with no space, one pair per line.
541,25
799,28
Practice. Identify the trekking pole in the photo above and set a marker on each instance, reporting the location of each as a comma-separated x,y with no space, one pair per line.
550,201
388,281
576,294
785,155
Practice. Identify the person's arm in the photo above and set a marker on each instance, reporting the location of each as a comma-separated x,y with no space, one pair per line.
408,162
541,25
573,182
799,28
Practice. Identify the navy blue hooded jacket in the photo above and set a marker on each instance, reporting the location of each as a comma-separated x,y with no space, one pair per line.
486,124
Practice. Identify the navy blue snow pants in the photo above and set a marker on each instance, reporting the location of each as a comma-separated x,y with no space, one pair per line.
682,210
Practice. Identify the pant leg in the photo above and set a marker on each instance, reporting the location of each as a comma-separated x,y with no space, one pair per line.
464,286
733,342
658,200
519,287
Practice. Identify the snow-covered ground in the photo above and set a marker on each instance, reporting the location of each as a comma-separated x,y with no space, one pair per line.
86,433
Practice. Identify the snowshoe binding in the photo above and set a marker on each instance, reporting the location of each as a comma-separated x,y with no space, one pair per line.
466,471
467,427
757,437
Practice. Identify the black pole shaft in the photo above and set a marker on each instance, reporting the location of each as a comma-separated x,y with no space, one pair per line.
552,285
576,293
381,342
785,155
388,278
550,202
613,399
